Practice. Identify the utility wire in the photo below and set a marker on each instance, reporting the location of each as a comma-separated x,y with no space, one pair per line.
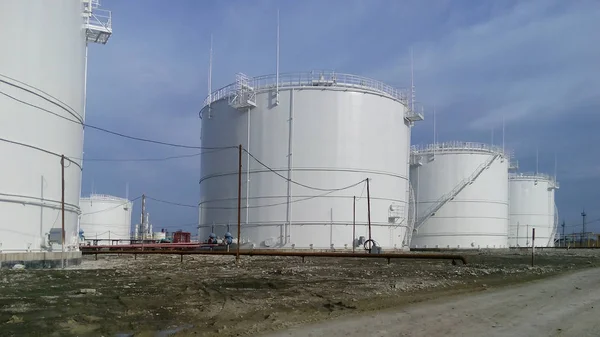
257,206
111,208
149,159
297,183
42,150
77,121
276,204
171,202
142,159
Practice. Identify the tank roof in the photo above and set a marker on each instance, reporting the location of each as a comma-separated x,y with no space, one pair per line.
533,176
459,147
310,79
104,197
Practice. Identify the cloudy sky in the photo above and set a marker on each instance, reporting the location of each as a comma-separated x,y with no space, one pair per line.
533,63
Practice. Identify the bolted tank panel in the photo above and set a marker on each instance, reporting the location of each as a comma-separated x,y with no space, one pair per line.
106,218
324,137
43,64
532,206
461,192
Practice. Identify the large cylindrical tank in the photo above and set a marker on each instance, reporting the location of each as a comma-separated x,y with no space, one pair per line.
322,132
106,218
461,191
42,64
532,206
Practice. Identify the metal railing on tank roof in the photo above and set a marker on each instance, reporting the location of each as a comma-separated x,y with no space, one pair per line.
460,146
533,176
104,197
309,79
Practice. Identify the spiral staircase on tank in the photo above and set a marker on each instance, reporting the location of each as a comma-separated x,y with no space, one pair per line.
454,192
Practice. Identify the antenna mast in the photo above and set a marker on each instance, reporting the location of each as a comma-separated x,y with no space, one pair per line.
434,126
555,167
277,66
412,81
537,160
434,131
503,133
210,61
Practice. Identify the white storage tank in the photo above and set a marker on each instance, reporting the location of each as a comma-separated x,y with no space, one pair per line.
532,206
461,191
42,86
105,219
320,132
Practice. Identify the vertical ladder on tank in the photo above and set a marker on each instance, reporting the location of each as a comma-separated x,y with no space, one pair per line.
244,96
454,192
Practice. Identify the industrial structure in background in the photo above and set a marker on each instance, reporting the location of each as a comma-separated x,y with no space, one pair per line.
105,219
532,205
43,70
143,230
461,192
318,136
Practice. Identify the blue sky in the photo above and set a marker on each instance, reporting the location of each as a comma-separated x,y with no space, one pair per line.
533,62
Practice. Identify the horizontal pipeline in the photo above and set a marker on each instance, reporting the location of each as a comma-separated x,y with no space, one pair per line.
139,245
388,256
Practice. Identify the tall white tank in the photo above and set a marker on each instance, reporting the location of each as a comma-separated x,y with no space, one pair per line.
106,218
42,98
532,206
461,191
320,132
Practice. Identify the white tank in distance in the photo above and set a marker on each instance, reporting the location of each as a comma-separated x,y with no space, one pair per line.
532,206
461,192
320,132
106,219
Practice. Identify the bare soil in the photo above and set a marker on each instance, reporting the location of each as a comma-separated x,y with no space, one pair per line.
566,305
212,296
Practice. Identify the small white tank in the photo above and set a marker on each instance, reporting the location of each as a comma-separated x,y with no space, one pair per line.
461,192
106,218
532,206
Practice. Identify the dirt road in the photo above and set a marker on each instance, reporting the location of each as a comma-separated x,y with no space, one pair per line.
564,306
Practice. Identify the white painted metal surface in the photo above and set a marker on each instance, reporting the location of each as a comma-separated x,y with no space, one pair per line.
532,205
461,191
42,63
159,235
106,218
328,131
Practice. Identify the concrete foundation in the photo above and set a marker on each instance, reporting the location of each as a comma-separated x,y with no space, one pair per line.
40,260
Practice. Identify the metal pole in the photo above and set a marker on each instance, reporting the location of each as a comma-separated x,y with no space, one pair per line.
143,219
62,202
239,206
582,229
353,224
518,243
369,212
563,236
532,246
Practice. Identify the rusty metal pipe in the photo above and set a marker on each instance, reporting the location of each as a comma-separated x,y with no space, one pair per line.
418,256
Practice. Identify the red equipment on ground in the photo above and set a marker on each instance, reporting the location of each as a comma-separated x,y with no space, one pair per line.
182,237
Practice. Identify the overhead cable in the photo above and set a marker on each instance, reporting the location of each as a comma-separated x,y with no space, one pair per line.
69,110
300,184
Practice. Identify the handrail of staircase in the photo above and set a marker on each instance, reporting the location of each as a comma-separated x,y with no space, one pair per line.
455,191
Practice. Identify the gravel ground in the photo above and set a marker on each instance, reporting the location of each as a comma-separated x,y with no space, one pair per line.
211,296
568,305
